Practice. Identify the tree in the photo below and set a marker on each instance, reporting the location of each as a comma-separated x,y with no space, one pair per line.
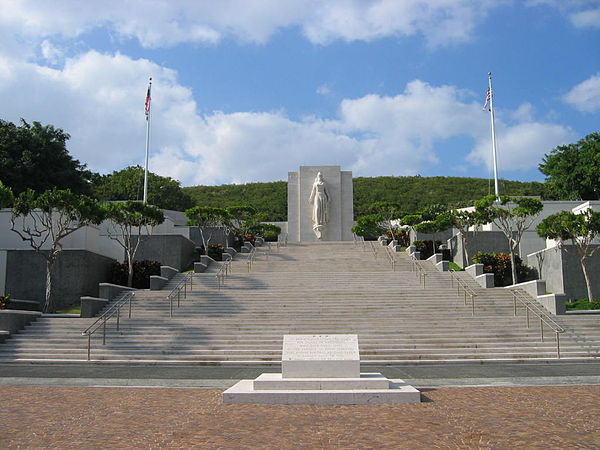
206,217
242,218
389,212
35,156
581,230
6,196
369,226
573,171
128,184
44,220
464,220
411,220
514,216
441,223
128,223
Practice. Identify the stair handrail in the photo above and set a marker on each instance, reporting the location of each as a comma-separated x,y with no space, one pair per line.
373,249
419,270
176,291
282,240
223,272
532,306
114,308
250,259
467,290
390,256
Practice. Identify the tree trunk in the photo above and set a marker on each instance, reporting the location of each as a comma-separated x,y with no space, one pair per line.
465,251
588,284
48,302
130,271
513,266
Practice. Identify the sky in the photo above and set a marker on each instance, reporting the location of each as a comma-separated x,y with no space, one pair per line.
248,90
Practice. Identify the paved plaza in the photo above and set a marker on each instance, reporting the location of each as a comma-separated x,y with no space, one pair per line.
483,417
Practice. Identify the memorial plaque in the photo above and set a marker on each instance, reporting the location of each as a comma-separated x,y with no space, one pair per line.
320,356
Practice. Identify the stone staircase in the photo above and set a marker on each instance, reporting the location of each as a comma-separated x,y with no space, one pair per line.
311,288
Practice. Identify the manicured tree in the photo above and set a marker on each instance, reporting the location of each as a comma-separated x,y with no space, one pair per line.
243,218
368,226
581,230
463,221
514,216
44,221
128,223
207,216
389,212
411,220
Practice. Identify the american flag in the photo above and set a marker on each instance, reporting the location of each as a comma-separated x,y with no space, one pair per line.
147,105
488,97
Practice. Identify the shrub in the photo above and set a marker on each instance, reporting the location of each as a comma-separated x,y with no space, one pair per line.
268,231
499,265
215,251
369,227
401,236
4,301
141,273
425,247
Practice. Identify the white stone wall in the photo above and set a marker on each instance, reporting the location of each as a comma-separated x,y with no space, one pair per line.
341,211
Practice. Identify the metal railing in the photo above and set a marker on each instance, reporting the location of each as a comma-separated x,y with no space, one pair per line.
391,258
359,240
532,307
282,240
250,259
418,270
224,270
176,291
113,310
466,289
373,249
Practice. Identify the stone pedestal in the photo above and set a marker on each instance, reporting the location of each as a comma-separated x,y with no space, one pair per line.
321,369
341,209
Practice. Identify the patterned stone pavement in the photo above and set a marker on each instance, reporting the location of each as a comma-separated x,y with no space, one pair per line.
488,417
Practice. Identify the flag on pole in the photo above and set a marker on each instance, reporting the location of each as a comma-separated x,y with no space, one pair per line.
147,105
488,97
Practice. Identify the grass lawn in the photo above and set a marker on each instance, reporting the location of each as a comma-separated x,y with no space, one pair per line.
582,305
454,266
71,310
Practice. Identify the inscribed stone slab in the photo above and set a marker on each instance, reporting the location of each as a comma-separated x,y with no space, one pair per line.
320,356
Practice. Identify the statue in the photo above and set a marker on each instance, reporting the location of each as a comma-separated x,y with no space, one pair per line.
319,199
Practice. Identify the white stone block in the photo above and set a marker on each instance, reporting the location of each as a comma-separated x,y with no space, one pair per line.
276,382
398,392
320,356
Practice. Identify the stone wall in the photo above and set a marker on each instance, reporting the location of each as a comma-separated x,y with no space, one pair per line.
563,274
78,273
172,250
480,241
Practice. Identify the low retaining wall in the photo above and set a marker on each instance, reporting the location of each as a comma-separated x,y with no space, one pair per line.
14,321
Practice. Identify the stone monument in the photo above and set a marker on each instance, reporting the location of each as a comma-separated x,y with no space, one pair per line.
321,369
320,204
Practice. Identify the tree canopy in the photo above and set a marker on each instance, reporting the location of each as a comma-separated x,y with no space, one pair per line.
35,156
573,171
128,184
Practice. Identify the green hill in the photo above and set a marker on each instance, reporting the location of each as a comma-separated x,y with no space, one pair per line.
411,193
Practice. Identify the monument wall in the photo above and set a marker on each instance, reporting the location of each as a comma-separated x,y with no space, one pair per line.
340,205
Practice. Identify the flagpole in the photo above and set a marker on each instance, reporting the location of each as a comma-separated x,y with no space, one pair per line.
491,95
147,141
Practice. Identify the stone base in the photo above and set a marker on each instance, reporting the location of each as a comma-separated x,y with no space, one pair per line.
371,388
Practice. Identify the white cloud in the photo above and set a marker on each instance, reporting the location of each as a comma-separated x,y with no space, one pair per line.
98,99
586,95
323,90
586,19
520,147
164,23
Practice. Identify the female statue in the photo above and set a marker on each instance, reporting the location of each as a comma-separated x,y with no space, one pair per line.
319,199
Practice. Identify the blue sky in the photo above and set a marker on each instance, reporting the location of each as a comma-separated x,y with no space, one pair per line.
247,90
